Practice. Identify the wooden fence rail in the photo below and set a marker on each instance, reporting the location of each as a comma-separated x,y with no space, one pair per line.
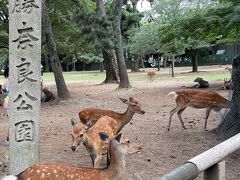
208,161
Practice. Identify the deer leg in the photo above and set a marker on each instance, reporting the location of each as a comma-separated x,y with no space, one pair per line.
93,157
179,113
108,158
170,117
98,160
207,115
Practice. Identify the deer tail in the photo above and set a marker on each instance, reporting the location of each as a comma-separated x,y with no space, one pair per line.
173,93
11,177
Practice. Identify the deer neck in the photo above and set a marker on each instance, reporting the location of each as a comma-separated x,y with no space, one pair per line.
125,118
116,169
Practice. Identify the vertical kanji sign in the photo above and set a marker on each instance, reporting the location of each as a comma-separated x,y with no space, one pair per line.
24,82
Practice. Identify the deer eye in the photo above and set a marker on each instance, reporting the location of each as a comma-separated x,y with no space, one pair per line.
128,141
81,135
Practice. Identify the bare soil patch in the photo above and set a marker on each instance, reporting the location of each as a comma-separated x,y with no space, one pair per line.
162,150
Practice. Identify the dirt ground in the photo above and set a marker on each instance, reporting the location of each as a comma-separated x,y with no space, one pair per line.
162,150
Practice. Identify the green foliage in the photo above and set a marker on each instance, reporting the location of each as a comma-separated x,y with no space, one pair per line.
145,40
90,57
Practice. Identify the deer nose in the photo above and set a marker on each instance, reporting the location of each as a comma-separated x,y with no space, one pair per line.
73,148
142,112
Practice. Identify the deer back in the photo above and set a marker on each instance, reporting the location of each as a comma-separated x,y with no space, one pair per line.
201,99
94,114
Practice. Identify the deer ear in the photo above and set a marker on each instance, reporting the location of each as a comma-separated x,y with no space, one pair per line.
73,121
118,137
125,101
104,137
89,123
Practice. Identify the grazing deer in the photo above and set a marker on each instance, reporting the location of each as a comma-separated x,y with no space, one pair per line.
116,169
201,83
81,134
197,99
91,115
151,75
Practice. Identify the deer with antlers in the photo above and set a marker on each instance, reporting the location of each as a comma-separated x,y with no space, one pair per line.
90,116
81,134
116,169
197,99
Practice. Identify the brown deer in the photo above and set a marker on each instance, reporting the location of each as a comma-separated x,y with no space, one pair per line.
151,75
197,99
81,134
201,83
116,169
227,84
90,116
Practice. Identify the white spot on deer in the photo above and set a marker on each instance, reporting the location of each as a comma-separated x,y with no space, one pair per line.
43,175
55,171
38,171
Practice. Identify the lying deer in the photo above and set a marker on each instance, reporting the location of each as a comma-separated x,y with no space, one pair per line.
201,83
81,134
197,99
115,170
227,84
90,116
151,75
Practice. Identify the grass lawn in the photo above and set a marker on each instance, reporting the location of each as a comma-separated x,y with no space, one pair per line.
182,74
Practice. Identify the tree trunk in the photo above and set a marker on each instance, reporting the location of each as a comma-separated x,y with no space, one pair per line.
158,63
101,68
111,74
74,66
124,80
46,63
84,66
194,62
141,62
108,55
62,90
230,125
173,65
134,64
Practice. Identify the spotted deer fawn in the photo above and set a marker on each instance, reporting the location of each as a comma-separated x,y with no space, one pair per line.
197,99
90,116
116,169
151,75
81,134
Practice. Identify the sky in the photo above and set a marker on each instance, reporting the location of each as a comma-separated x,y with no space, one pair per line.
143,5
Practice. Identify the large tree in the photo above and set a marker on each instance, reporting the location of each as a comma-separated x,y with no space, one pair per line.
62,90
124,80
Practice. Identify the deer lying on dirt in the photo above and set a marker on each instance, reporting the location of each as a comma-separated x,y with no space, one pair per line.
197,99
201,83
81,134
151,75
91,115
115,171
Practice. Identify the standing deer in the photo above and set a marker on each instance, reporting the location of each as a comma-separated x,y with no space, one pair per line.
90,116
116,169
151,75
81,134
197,99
